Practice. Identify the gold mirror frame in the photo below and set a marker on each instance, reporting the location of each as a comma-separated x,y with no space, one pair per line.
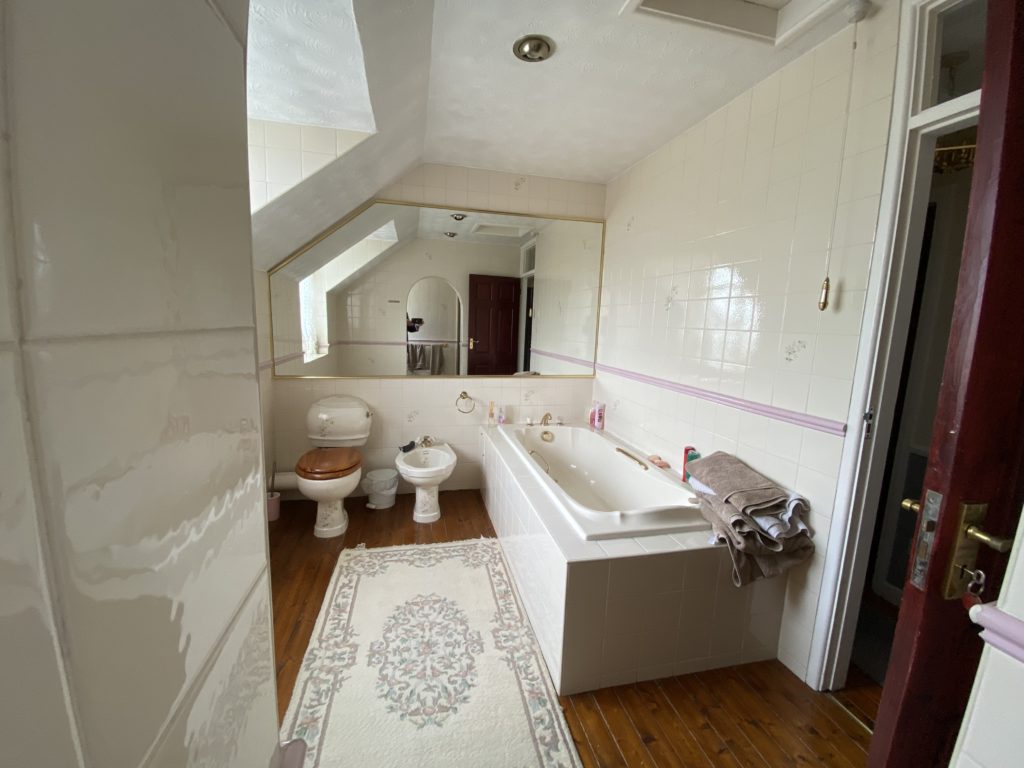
382,201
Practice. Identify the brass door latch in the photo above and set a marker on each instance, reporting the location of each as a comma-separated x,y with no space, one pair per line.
965,552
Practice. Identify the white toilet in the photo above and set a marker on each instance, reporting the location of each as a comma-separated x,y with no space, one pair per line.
331,471
426,466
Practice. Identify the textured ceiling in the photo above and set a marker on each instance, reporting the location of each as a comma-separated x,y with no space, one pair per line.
395,37
617,88
305,65
445,88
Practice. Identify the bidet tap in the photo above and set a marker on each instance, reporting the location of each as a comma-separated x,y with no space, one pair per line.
545,420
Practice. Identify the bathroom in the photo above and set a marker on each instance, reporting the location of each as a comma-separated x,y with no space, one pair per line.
711,228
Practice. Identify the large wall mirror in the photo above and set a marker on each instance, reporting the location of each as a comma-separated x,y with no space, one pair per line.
408,290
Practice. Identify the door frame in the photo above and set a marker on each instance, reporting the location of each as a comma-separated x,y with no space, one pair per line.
884,334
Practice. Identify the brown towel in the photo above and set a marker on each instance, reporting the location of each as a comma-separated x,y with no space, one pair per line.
758,520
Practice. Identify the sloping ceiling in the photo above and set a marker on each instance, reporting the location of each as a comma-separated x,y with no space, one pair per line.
445,88
395,36
305,65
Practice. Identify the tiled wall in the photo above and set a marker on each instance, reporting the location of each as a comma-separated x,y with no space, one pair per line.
132,499
405,409
37,725
715,252
283,154
566,284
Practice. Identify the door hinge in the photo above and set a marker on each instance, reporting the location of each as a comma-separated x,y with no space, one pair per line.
869,420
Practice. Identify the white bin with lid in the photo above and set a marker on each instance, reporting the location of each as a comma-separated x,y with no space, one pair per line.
380,485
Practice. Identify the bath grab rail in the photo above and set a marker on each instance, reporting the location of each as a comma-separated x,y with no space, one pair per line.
546,467
629,455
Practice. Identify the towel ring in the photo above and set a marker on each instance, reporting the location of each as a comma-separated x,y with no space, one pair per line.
465,396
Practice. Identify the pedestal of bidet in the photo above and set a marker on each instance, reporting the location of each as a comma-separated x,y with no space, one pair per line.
427,509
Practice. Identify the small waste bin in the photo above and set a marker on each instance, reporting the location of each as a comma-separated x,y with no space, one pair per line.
381,485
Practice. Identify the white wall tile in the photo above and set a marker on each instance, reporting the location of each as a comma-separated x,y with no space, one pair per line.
138,356
747,199
35,716
159,536
116,226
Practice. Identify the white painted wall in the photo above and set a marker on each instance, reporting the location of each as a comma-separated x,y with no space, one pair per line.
137,624
715,251
990,735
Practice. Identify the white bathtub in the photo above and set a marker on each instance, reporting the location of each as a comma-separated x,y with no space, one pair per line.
605,488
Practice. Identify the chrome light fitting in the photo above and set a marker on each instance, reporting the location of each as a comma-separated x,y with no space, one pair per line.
450,234
533,48
458,216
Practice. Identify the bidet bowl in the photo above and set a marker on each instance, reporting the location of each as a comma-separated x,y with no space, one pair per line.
426,468
434,463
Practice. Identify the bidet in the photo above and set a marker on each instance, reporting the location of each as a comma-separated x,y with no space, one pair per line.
425,467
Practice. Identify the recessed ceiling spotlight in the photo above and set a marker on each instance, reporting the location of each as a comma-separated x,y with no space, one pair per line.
450,234
533,48
458,216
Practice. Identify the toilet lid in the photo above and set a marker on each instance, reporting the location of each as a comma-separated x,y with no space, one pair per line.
328,463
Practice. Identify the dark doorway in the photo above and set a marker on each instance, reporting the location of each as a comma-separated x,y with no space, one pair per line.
493,324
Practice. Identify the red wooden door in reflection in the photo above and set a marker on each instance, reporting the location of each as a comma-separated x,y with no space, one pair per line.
493,324
976,450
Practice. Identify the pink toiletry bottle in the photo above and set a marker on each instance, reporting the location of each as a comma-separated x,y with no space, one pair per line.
599,416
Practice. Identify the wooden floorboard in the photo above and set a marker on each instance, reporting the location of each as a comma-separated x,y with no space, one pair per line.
752,715
861,696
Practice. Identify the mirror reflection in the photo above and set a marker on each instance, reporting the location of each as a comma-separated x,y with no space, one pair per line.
406,290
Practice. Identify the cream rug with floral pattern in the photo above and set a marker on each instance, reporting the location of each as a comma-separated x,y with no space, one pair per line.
423,656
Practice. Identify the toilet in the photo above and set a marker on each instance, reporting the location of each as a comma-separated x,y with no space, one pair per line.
425,467
331,471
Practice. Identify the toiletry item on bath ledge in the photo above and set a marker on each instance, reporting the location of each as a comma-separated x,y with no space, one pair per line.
689,454
597,415
760,522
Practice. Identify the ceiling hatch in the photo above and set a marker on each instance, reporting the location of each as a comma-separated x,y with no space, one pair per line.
774,21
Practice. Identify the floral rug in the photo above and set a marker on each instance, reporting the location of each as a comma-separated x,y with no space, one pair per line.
423,656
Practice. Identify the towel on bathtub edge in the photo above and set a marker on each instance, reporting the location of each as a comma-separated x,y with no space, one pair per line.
761,523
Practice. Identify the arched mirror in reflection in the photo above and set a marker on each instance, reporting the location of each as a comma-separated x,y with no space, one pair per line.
433,329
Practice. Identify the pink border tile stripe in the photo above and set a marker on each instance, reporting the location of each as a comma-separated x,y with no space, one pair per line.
818,423
779,414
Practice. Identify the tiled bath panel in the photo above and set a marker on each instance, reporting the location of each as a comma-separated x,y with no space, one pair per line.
662,606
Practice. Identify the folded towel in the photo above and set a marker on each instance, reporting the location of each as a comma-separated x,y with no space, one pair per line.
759,521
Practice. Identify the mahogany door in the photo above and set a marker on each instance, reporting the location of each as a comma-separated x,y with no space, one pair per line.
493,324
976,451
